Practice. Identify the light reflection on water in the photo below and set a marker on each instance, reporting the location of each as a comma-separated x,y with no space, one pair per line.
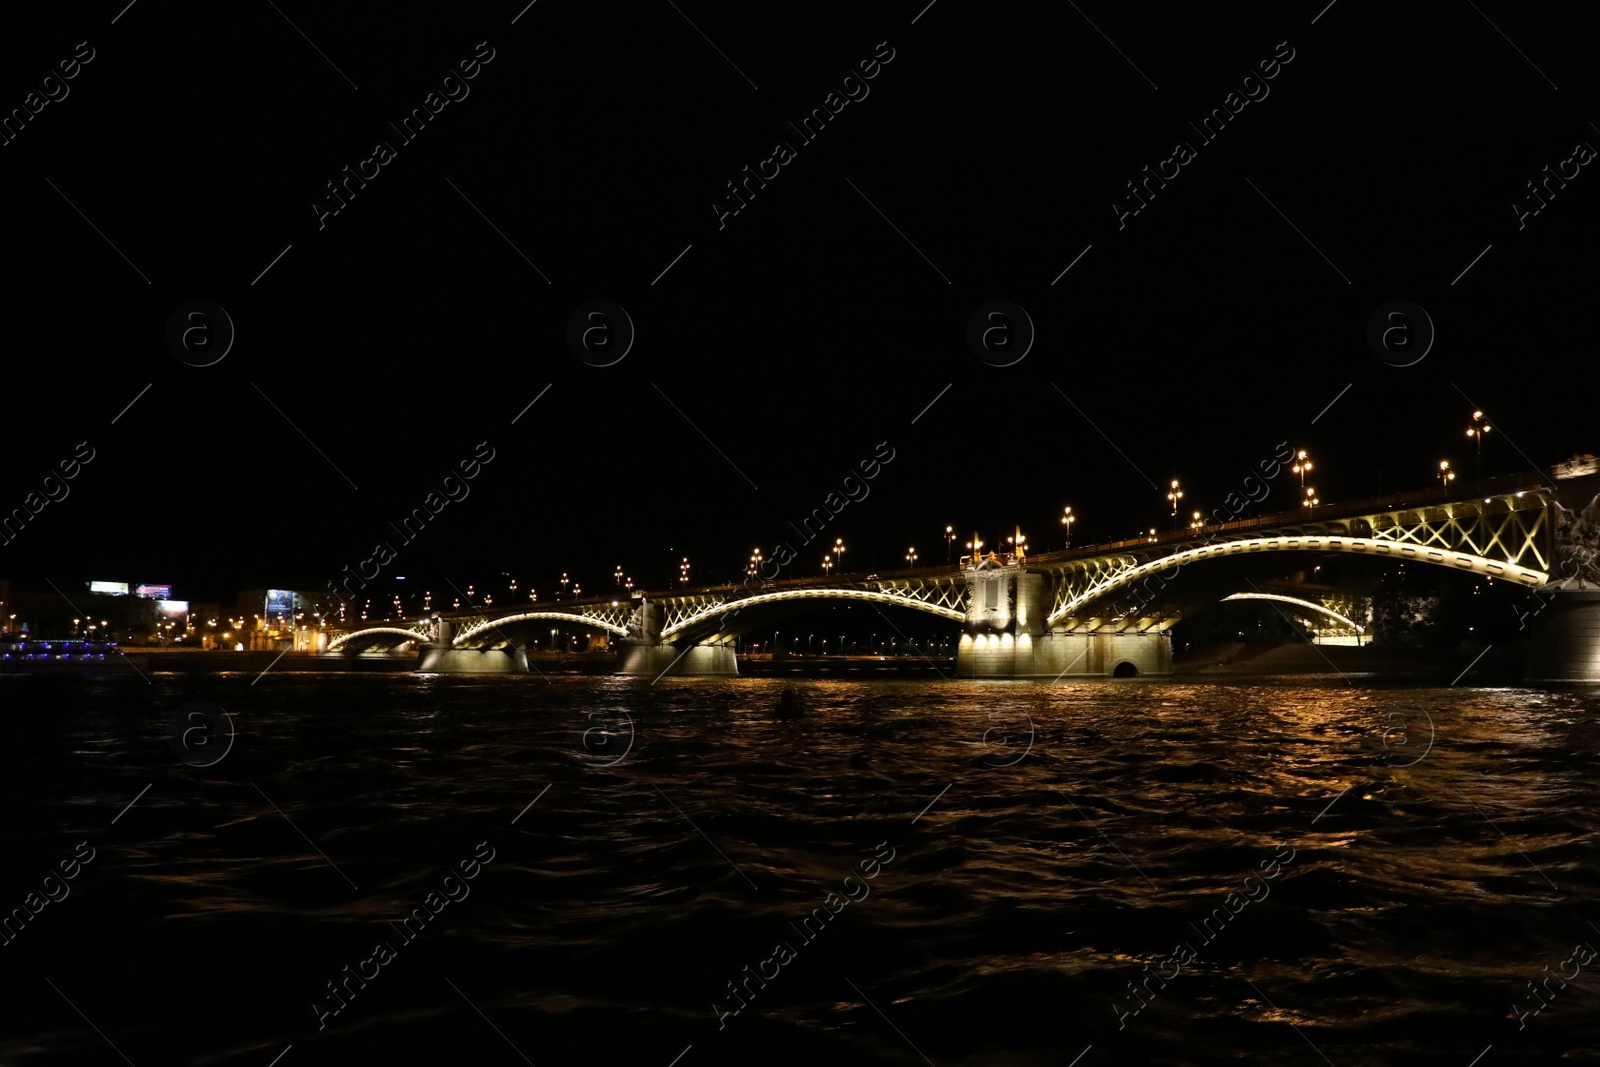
1052,843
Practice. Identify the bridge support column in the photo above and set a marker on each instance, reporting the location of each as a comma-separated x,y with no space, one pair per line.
1062,654
643,652
438,657
436,660
696,660
1564,640
1006,635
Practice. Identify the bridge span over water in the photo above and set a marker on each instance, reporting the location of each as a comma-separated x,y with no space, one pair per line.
1090,610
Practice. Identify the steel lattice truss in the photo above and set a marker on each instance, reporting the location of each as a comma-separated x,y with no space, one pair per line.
700,616
413,632
611,617
1510,529
676,610
1507,536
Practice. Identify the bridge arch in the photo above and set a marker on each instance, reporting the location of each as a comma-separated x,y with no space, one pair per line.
529,616
701,619
1310,605
343,640
1370,547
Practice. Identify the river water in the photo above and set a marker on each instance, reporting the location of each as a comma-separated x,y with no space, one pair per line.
881,872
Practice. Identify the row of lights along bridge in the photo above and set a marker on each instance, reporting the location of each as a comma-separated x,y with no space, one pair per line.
834,558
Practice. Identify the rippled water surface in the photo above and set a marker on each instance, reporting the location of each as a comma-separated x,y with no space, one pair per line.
891,872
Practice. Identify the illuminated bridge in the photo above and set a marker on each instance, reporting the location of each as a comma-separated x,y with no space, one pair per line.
1091,610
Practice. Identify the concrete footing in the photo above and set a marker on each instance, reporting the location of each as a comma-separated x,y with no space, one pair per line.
696,660
1063,654
1564,642
436,660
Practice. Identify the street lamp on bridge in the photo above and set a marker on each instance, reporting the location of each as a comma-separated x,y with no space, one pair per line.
827,565
911,555
1174,495
1478,427
683,571
1016,541
1195,523
838,550
1309,496
1302,464
1446,475
949,541
1067,519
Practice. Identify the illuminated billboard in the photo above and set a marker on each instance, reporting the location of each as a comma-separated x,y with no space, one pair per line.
110,588
280,602
154,592
172,609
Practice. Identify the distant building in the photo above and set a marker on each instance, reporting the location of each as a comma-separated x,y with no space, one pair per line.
270,617
1577,467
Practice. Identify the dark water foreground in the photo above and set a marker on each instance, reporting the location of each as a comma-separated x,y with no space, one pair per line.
896,872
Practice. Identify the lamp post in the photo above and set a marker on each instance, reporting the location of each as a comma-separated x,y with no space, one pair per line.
1174,495
683,571
1195,522
838,550
1067,519
1308,496
911,555
1446,475
827,565
1476,430
1302,464
949,541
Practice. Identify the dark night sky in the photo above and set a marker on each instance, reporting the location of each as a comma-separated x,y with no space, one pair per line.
805,331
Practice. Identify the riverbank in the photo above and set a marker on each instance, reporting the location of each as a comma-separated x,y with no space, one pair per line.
1491,666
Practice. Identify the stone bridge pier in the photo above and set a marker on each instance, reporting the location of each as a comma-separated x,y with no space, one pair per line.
1007,637
644,652
1563,616
437,657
